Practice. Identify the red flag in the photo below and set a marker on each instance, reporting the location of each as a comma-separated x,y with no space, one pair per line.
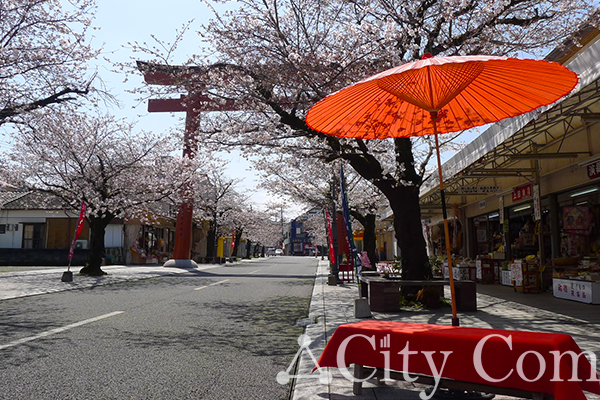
329,232
233,239
78,229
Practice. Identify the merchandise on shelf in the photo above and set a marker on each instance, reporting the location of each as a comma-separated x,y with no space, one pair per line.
577,280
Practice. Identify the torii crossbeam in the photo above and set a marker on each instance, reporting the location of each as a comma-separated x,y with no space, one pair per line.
192,104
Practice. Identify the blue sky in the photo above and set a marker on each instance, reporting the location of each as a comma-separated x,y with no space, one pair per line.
121,22
130,21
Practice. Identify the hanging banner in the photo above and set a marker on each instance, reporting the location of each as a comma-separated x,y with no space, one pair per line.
537,205
78,230
233,239
330,236
593,170
347,223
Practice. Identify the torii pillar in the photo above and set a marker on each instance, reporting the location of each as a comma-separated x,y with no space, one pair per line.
192,104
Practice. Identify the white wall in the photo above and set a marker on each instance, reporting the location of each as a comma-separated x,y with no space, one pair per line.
12,239
113,237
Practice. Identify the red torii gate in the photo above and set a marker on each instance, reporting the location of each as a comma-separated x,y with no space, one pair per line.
192,104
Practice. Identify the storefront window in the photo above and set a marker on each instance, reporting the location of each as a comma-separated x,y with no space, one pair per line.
522,231
579,221
487,232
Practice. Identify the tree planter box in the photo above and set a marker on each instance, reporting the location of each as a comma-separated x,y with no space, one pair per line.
384,294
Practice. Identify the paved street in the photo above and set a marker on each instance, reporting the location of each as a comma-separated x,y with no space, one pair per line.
220,333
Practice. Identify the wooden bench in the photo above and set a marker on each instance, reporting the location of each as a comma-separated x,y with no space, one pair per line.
384,293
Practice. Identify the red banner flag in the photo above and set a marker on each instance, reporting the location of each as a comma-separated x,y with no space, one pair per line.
233,239
330,234
78,229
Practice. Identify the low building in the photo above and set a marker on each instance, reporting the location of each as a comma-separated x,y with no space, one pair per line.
530,185
38,229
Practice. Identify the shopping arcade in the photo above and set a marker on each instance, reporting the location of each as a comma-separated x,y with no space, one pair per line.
551,148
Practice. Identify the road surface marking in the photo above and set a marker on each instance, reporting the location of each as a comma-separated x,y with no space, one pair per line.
58,330
253,272
212,284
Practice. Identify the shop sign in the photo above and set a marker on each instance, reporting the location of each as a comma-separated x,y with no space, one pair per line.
479,189
501,209
537,207
522,192
573,290
516,271
593,170
482,204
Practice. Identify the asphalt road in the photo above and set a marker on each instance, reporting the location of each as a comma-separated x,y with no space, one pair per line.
220,334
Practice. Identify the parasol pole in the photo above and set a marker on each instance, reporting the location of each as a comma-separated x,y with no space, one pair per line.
455,321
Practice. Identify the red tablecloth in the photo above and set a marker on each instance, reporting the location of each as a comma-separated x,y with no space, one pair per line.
512,359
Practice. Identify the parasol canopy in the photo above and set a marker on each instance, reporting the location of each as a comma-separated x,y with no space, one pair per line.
440,95
465,92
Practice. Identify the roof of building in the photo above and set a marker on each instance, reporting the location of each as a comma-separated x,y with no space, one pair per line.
8,196
31,200
585,64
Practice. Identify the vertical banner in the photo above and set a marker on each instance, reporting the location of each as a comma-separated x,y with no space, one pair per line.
537,206
232,240
502,221
330,236
347,223
78,230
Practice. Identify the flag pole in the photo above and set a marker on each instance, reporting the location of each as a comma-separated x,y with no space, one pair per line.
68,275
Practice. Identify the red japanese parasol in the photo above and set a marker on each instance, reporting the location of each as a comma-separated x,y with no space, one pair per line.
440,95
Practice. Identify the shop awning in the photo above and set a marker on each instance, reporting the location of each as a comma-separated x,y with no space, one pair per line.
505,148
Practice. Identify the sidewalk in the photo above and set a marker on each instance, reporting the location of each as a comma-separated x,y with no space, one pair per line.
499,307
31,282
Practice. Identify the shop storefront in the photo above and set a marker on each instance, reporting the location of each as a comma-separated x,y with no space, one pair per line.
150,244
529,194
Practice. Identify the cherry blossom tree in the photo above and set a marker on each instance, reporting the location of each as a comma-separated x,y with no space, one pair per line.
315,226
260,227
267,229
44,54
316,184
216,201
97,159
278,58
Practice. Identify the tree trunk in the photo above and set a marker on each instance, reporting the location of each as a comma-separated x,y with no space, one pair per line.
248,248
238,238
97,232
403,198
404,201
210,240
